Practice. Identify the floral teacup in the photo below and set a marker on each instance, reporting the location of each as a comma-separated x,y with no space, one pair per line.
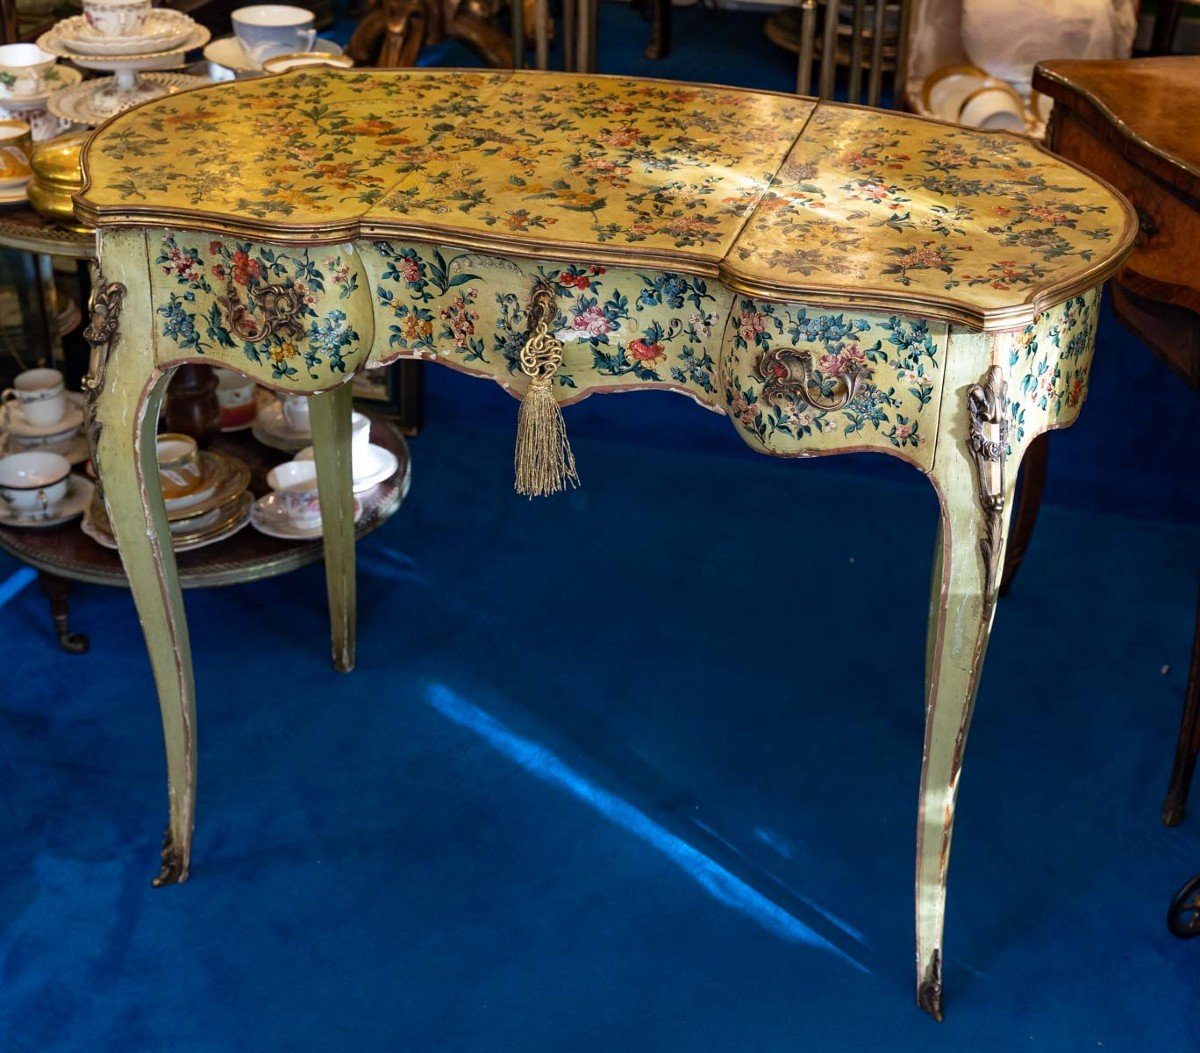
295,484
23,69
116,18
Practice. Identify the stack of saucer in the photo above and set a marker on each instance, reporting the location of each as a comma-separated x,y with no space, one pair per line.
205,494
28,77
126,38
39,414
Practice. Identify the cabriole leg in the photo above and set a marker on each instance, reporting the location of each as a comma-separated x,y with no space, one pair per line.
124,392
127,417
330,413
975,498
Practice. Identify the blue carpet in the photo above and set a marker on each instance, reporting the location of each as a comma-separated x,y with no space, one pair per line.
609,777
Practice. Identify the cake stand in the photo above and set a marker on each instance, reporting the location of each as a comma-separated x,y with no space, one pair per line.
95,101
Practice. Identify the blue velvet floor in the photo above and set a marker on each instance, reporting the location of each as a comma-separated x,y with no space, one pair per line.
611,776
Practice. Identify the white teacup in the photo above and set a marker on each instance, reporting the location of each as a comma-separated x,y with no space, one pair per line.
993,107
295,483
295,412
116,18
235,393
32,484
267,30
23,69
360,434
40,396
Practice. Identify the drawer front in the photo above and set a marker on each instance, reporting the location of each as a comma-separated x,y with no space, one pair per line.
803,381
1050,363
620,328
290,318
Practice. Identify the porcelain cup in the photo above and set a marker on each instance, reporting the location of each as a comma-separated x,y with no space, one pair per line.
39,396
23,69
295,483
116,18
235,393
360,435
993,107
268,30
295,412
179,466
32,484
16,144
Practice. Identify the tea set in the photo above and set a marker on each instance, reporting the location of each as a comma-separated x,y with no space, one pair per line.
206,495
28,77
967,95
41,439
38,413
127,38
292,510
271,38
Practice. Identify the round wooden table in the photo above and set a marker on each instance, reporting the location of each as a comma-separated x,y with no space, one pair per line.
64,554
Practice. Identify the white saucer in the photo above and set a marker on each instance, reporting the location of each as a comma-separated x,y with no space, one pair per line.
57,78
229,54
65,427
268,517
74,449
74,503
370,469
270,419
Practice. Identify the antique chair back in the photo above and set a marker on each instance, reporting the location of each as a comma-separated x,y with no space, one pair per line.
868,37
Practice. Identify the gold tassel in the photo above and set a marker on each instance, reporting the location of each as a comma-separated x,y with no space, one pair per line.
543,461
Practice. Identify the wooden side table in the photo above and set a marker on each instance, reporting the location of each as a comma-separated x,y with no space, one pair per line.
1134,122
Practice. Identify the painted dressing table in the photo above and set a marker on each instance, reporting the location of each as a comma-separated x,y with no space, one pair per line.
832,278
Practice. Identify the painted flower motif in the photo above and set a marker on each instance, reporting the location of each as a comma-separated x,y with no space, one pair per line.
183,264
245,268
592,321
643,354
411,269
416,329
751,325
460,318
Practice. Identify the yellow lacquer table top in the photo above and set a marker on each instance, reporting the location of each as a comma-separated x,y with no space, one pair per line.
777,195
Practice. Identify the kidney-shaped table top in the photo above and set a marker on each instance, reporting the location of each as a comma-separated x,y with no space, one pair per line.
777,195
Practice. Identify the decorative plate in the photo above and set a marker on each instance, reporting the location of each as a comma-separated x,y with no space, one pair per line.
95,525
164,58
162,30
77,104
